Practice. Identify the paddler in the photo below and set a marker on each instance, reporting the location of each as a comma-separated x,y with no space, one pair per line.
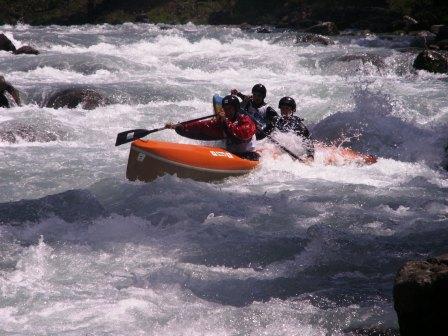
254,106
7,87
288,122
237,129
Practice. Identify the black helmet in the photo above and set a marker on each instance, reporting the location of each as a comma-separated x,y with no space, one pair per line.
260,89
231,100
287,101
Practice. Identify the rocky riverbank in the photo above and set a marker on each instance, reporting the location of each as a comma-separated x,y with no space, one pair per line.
315,20
377,16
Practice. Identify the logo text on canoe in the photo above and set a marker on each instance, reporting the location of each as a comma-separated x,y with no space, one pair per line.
224,154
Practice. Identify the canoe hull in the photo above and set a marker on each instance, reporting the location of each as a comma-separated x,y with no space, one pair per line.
151,159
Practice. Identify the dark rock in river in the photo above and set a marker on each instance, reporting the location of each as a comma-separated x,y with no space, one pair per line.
364,58
6,44
324,28
431,61
32,130
245,26
314,39
26,50
71,206
421,296
89,99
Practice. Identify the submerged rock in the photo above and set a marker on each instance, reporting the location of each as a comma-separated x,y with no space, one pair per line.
71,206
421,296
89,99
6,44
28,133
431,61
245,26
364,58
324,28
314,39
31,130
26,50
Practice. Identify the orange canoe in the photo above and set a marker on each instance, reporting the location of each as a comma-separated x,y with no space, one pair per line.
149,159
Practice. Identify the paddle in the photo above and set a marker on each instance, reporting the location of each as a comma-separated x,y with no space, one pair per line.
131,135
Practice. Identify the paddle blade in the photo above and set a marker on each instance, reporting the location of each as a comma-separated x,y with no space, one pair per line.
217,103
131,135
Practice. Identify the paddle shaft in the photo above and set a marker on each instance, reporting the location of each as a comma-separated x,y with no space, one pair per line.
131,135
286,150
278,144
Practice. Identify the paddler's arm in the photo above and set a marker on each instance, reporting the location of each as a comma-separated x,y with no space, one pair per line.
243,97
271,122
199,130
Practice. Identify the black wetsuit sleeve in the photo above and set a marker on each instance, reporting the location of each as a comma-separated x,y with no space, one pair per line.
271,121
242,96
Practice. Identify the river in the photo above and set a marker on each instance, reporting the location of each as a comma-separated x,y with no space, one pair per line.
290,249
